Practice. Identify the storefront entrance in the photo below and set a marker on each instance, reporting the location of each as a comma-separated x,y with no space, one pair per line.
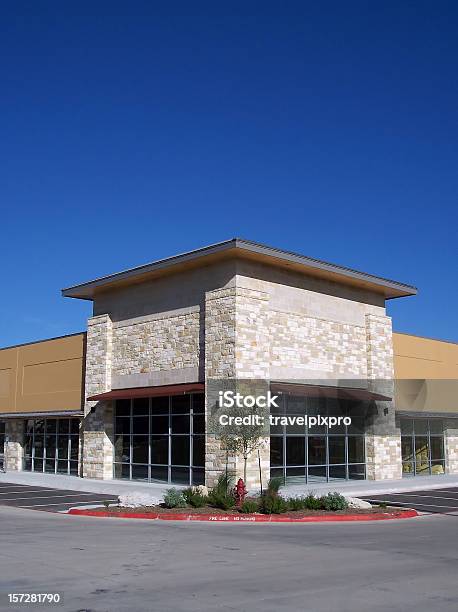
161,439
422,443
51,445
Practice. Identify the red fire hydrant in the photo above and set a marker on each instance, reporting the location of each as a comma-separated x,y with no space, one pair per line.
240,492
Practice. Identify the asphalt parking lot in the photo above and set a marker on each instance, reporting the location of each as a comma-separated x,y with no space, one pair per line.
434,501
47,499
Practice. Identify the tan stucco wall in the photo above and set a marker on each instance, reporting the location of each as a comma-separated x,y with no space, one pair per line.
426,373
42,376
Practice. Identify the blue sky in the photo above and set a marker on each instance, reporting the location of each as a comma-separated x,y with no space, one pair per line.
130,132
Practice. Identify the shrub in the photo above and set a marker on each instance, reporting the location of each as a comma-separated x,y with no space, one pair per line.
174,499
312,503
296,503
249,506
274,484
221,495
334,501
194,498
273,504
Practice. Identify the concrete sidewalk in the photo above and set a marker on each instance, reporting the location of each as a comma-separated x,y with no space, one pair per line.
354,488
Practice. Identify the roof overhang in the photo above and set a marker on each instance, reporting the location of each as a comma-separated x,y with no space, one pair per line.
41,415
244,249
331,392
139,392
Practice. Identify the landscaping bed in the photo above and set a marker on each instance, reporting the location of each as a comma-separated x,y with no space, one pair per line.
223,504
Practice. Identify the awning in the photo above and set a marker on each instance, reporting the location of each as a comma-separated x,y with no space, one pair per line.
41,415
138,392
344,393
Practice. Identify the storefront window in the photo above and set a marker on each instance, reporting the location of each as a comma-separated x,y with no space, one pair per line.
51,445
422,447
161,439
318,454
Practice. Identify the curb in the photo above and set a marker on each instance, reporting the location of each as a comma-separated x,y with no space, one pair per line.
248,518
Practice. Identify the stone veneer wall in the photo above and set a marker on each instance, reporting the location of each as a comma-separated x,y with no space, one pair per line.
14,429
451,450
97,445
383,443
163,342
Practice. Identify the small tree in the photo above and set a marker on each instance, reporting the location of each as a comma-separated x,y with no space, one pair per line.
242,439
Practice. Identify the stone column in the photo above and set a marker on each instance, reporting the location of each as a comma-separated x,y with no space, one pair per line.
383,440
253,364
97,451
219,365
14,448
451,448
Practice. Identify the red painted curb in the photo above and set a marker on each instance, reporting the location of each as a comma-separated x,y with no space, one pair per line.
249,518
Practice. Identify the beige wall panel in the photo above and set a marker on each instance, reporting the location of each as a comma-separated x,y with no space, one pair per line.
48,375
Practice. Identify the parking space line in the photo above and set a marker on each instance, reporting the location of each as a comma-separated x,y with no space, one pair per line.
28,491
73,504
426,496
387,501
49,496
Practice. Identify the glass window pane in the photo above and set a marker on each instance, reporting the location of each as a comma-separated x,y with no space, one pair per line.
159,405
74,467
160,449
198,423
27,446
437,447
180,424
122,449
140,406
74,426
62,467
436,426
336,449
39,445
28,426
198,402
139,449
51,426
62,445
198,450
50,443
159,473
181,404
295,405
122,470
276,472
295,472
122,425
50,466
39,426
407,468
355,449
180,475
28,464
180,450
38,465
337,472
437,467
123,407
317,450
317,474
276,451
140,425
74,446
198,476
159,424
63,426
140,472
407,448
420,426
316,407
406,426
357,472
295,450
357,425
